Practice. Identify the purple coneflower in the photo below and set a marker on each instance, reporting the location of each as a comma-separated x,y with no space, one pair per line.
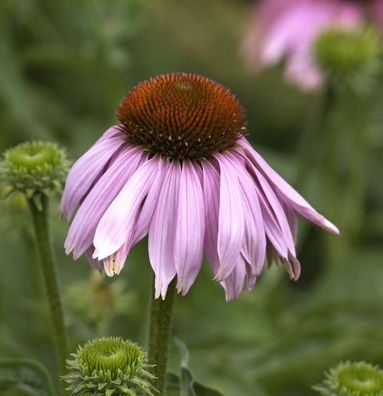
286,29
178,168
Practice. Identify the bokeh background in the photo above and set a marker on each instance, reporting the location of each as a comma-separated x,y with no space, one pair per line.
64,67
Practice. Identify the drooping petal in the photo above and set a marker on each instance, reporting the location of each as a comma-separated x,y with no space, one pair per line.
146,214
87,168
162,231
254,246
277,209
235,282
93,262
83,227
211,205
270,222
190,227
118,223
115,262
231,224
293,267
286,192
292,219
273,231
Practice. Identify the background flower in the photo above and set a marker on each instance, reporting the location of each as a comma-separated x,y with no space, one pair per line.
286,30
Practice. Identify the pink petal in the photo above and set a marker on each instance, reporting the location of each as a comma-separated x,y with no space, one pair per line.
254,247
293,267
286,192
273,231
114,263
190,228
146,214
83,227
231,223
86,170
162,231
93,262
277,209
211,200
235,282
118,222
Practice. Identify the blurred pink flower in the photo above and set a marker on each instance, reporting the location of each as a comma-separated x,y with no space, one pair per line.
286,29
178,169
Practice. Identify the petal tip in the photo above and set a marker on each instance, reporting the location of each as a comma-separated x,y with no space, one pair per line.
331,227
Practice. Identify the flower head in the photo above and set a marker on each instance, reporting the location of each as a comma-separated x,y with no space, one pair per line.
181,117
287,29
348,56
109,366
352,379
34,168
178,169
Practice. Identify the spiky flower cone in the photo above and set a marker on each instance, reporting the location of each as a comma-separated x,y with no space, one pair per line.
109,366
352,379
34,168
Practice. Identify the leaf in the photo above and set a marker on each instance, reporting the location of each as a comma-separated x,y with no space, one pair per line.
24,377
186,383
173,384
202,390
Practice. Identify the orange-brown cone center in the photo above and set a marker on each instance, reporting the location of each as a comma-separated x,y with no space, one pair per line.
181,116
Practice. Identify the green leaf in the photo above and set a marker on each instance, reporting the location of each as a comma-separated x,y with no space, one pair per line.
202,390
186,383
23,377
173,385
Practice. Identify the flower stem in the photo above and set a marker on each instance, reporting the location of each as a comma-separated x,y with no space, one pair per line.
308,153
48,266
160,326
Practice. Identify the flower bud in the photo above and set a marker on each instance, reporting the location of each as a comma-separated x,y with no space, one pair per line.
109,366
34,168
352,379
348,55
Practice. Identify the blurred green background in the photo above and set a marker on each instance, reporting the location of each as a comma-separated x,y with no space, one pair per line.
64,67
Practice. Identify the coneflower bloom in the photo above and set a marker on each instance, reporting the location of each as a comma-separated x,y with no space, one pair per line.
287,29
178,169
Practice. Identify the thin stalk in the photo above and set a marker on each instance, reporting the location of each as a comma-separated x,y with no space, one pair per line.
160,327
331,178
308,152
48,267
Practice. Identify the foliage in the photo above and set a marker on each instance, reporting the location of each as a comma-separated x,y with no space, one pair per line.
24,377
64,67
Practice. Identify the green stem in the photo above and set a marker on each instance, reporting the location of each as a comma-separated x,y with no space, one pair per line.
331,179
160,326
308,152
48,266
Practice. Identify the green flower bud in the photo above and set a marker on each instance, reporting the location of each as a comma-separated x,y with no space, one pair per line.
34,168
352,379
348,55
109,366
